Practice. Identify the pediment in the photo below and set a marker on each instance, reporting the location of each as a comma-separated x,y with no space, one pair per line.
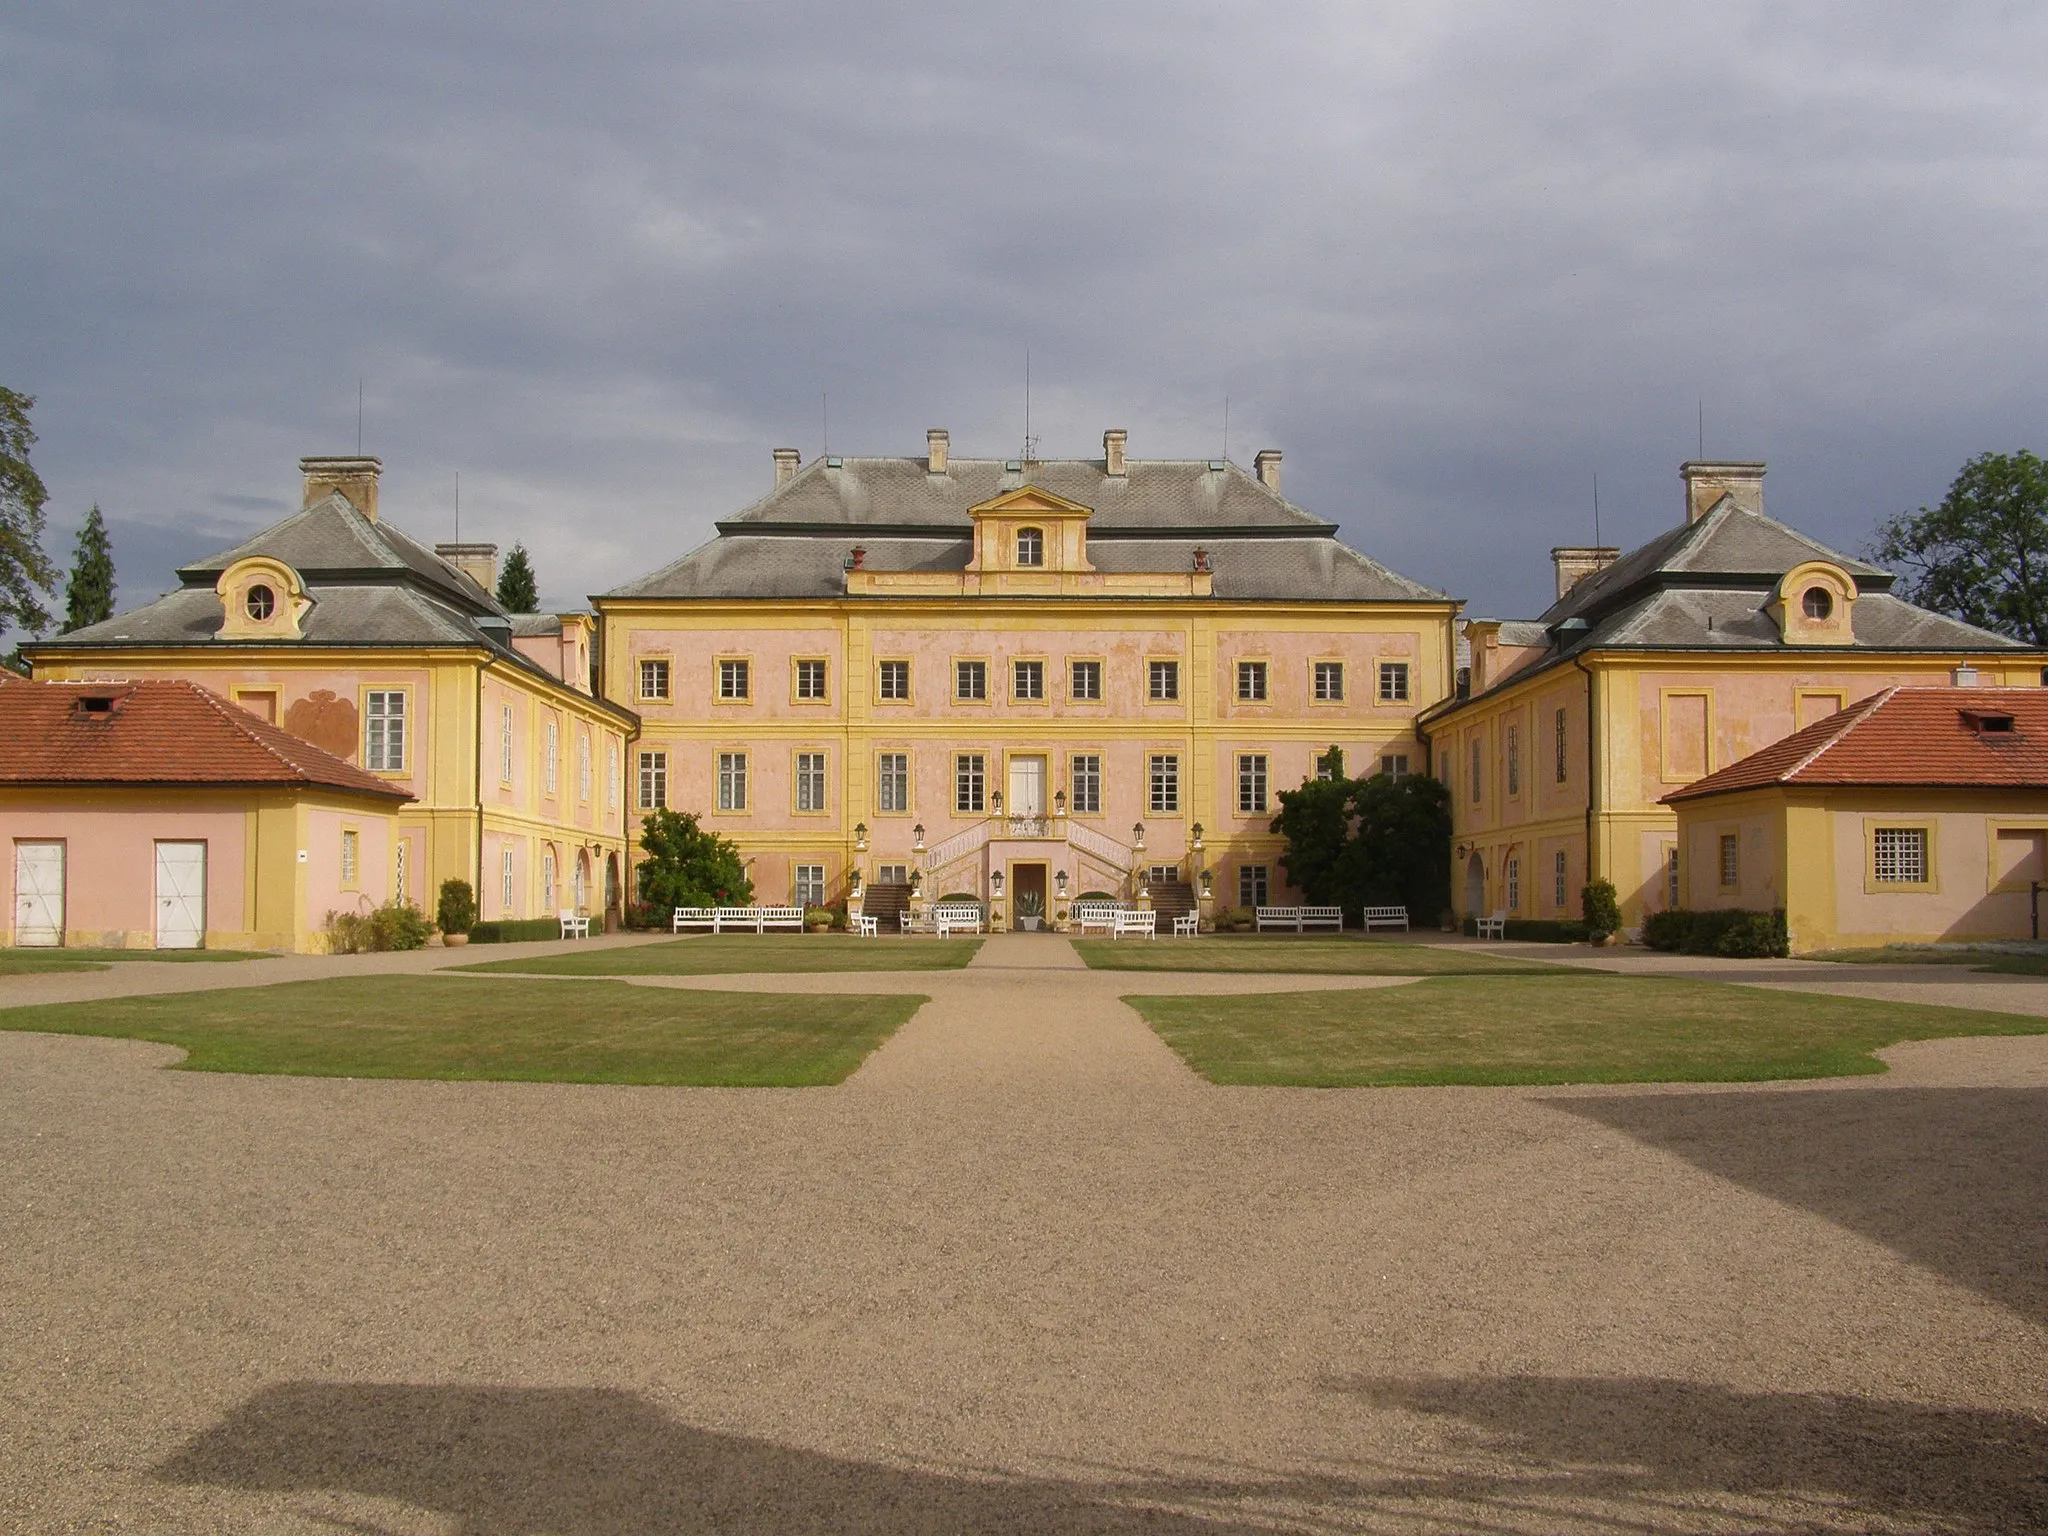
1029,500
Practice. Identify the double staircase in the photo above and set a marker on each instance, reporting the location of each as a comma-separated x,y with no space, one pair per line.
886,904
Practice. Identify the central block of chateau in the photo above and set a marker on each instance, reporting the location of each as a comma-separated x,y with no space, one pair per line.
901,679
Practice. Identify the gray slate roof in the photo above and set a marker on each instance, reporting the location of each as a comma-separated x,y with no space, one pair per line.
795,542
331,538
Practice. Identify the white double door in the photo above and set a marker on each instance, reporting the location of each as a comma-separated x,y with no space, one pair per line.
180,895
1027,786
39,894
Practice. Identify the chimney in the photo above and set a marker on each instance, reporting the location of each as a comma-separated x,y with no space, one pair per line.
1113,450
356,479
479,562
1575,562
1266,464
1707,483
786,462
936,442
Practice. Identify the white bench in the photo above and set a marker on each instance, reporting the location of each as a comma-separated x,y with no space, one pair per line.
1386,917
1494,927
573,926
865,927
1300,919
1134,920
735,919
1096,916
1187,925
776,917
947,921
693,917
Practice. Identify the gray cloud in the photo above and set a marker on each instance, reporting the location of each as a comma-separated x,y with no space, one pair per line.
1454,260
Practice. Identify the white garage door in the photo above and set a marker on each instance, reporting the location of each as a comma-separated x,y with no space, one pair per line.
39,894
180,895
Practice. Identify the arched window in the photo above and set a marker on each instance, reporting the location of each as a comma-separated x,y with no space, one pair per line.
1819,603
1030,546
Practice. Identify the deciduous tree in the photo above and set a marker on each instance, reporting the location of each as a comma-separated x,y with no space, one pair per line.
689,867
1982,555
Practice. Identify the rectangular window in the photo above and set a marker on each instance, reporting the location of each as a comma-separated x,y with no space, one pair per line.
1477,748
552,767
1395,765
1027,680
384,732
1157,875
351,856
810,680
732,680
1899,855
732,781
895,681
653,679
1086,778
970,679
1393,682
505,883
505,745
653,780
810,885
1165,681
1329,682
1514,885
1563,764
1251,681
810,781
1165,778
970,783
583,767
1560,895
1085,681
1251,783
1030,546
893,782
611,776
1514,748
547,883
1731,859
892,874
399,885
1671,879
1251,885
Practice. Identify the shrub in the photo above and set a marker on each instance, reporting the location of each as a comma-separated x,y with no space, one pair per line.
689,867
456,911
1756,936
516,930
1235,920
1601,909
817,916
1666,930
395,925
1733,932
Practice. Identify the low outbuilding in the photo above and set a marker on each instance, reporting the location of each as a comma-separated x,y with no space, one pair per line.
157,815
1917,815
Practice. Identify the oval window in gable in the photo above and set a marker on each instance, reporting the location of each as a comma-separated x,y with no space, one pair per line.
1819,604
259,602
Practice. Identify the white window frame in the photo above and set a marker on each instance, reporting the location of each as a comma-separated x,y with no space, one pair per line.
654,677
1031,547
553,761
1162,681
1898,855
1162,775
1084,783
384,743
351,856
1329,682
813,680
975,672
505,744
807,885
898,671
809,773
505,877
1031,672
970,783
735,679
732,781
1251,783
653,780
1251,682
1731,860
1088,691
1514,755
611,777
1254,883
1514,882
1393,682
583,767
892,783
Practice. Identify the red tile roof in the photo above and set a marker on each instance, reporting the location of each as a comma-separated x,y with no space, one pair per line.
1904,736
157,732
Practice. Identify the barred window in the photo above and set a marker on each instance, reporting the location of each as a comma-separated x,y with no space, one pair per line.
1563,763
732,680
810,781
1514,884
351,846
1251,782
810,679
1900,855
1393,682
1165,680
1027,680
1251,885
970,679
384,732
1251,681
653,679
1165,777
1478,748
1086,782
401,887
653,780
1085,681
732,781
1731,859
893,782
970,783
810,885
1563,882
1514,746
895,680
1329,682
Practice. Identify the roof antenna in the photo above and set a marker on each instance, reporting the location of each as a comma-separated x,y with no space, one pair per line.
1030,442
359,417
825,421
1596,509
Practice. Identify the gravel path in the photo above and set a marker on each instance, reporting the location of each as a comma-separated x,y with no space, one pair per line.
1023,1272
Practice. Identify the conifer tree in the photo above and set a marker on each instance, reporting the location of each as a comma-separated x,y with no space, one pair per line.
89,594
517,591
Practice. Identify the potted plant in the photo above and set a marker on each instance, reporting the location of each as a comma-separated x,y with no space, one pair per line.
818,919
456,912
1030,910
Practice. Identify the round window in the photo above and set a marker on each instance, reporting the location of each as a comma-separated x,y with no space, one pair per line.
260,602
1819,603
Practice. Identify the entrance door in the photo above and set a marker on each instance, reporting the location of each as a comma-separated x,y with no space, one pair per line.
1027,786
180,895
1475,887
1027,885
39,894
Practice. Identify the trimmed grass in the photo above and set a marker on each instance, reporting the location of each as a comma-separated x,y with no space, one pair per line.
1577,1027
1300,956
449,1027
737,954
1975,959
23,962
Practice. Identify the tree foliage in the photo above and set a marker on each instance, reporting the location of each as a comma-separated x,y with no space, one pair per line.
517,590
23,566
1982,555
1370,842
89,594
689,867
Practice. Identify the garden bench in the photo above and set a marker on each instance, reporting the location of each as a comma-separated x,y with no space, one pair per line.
1187,925
1322,917
1135,920
947,921
1494,927
1299,918
693,917
865,927
777,917
573,926
1386,917
1095,916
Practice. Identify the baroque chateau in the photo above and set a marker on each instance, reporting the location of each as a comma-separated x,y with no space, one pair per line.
892,680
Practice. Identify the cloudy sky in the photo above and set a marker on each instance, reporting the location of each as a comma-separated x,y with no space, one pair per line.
598,260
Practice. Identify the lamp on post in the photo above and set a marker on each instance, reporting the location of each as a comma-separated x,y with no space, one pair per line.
1138,836
1196,829
917,838
916,881
853,880
1208,884
1059,803
995,802
995,883
1060,884
860,837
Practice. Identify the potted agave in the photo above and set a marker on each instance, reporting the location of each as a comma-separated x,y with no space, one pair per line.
1030,911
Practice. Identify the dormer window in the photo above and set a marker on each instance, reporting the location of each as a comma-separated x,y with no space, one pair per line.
1818,604
259,602
1986,723
1030,546
96,706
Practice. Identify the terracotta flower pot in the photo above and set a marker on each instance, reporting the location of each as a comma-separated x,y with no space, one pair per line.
455,940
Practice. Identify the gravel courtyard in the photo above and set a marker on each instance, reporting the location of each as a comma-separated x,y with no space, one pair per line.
1022,1272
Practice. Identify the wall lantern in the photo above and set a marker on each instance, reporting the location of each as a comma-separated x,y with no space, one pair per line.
917,838
995,801
860,837
1059,803
1060,881
1197,830
1138,836
995,884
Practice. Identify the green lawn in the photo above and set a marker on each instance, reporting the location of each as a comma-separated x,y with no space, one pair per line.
19,962
1299,956
455,1027
1975,959
731,954
1578,1027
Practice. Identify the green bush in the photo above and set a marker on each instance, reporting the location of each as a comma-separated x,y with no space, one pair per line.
1732,932
1235,920
817,915
395,925
516,930
1537,930
1666,930
1601,909
456,912
1758,936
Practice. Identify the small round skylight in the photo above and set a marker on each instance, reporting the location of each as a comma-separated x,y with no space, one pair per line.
1818,602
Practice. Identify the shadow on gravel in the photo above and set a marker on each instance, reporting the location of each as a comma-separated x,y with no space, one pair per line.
1640,1444
520,1461
1954,1179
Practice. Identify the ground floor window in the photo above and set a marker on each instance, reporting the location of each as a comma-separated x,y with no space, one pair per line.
1515,884
1563,882
505,883
1395,765
1671,879
892,874
1900,856
351,842
1731,859
810,885
1161,874
547,881
1251,885
398,852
